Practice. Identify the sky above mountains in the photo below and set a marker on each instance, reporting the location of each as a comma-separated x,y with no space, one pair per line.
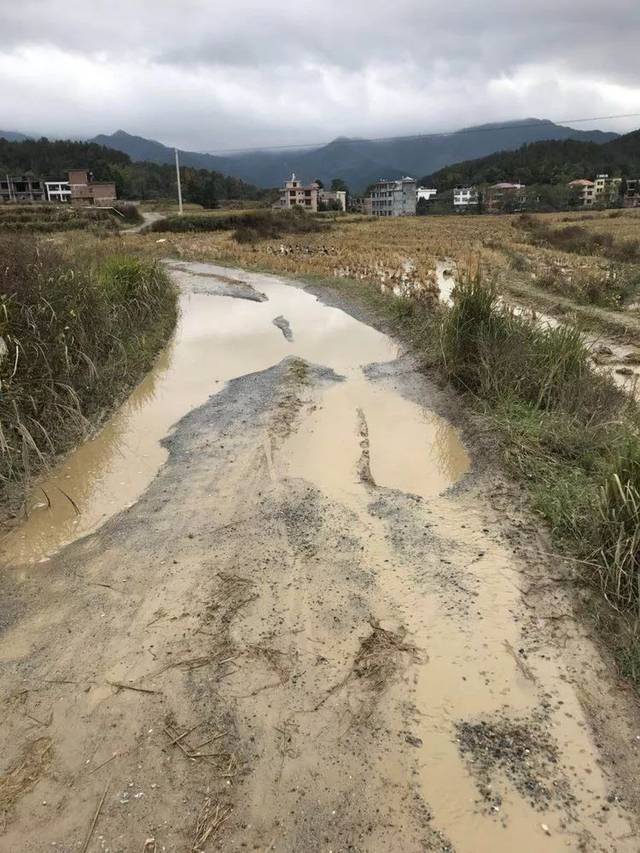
219,74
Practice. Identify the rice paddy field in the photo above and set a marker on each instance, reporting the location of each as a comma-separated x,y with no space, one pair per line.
592,267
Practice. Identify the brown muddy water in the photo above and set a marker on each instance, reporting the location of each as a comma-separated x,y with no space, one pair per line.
392,542
217,339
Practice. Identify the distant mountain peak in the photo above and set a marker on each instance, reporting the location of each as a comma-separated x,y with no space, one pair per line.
359,161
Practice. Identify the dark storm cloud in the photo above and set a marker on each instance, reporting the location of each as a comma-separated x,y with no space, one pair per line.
210,74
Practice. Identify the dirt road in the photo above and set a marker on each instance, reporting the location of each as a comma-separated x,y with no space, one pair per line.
315,620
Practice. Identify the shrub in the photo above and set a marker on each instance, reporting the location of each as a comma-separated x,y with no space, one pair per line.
129,212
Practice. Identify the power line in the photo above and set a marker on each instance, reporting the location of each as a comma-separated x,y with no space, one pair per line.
490,128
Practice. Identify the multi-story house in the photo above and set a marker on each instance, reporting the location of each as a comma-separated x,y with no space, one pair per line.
21,189
586,191
394,198
505,197
295,194
58,190
607,190
465,198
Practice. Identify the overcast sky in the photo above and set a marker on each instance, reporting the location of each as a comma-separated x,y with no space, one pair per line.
217,74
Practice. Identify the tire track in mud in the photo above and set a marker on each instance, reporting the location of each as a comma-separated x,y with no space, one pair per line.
306,667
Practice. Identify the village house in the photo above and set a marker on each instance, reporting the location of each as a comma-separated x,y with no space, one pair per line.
505,197
394,198
361,204
585,189
84,190
426,193
295,194
21,189
607,190
59,191
336,199
79,189
465,198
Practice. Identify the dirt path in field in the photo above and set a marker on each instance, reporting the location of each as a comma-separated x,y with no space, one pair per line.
314,620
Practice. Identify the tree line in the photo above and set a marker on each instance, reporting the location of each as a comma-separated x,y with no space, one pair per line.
549,163
51,160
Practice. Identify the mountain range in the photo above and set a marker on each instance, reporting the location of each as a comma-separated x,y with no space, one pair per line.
359,162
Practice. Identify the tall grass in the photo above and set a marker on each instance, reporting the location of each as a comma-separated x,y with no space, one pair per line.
570,431
75,333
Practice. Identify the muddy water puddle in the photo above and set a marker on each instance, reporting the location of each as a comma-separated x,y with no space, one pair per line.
218,338
535,782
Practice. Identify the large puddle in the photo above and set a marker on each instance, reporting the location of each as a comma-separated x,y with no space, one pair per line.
219,338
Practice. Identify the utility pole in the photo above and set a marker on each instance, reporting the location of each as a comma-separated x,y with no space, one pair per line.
179,184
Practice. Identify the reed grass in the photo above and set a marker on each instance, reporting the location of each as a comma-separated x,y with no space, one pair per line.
76,331
569,432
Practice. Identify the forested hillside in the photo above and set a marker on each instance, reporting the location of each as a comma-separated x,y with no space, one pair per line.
52,159
550,162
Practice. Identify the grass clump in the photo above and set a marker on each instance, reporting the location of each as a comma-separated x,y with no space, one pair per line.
75,333
569,432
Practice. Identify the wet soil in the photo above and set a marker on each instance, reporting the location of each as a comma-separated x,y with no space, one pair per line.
322,624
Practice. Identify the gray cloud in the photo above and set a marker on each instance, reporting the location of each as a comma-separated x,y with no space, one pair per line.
242,73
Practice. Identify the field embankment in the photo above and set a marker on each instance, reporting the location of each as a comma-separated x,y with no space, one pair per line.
77,329
52,218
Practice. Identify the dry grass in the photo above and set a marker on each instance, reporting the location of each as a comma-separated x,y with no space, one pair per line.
380,655
24,774
76,330
208,824
399,256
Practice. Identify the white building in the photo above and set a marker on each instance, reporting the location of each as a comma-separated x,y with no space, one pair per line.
607,189
427,193
464,197
394,198
58,190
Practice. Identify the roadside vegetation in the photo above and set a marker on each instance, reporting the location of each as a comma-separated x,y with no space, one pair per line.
567,431
77,330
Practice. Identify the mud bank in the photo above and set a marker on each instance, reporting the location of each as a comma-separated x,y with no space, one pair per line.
312,631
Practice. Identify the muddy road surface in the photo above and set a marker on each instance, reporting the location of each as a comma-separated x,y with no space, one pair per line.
291,608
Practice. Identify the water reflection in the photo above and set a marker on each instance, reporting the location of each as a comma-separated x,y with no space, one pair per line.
217,338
